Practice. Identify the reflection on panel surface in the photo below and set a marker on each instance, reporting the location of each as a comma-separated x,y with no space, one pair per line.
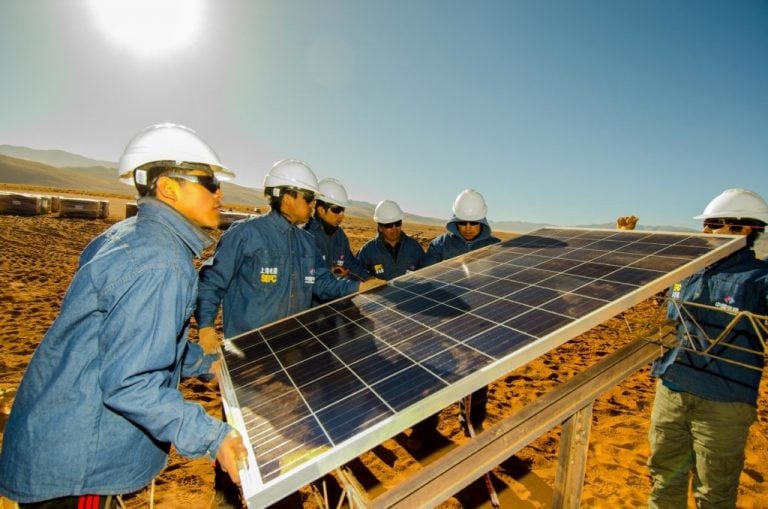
328,384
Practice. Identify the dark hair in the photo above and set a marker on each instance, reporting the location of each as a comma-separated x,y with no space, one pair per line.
276,199
157,169
273,198
153,173
757,230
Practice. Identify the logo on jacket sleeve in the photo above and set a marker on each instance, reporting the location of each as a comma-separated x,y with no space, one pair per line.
728,304
268,275
378,268
310,279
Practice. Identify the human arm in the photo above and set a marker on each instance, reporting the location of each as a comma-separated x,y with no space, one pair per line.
232,453
208,339
143,359
326,285
215,276
433,254
371,283
355,267
419,254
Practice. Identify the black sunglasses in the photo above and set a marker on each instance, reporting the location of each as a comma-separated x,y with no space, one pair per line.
308,196
396,224
336,209
735,225
210,182
716,224
467,223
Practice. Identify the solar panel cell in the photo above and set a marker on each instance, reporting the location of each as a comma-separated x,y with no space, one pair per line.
634,276
500,310
425,345
455,363
331,388
464,327
349,416
380,365
499,342
537,322
407,387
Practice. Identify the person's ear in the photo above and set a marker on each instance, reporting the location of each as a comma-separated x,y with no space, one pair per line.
286,201
167,188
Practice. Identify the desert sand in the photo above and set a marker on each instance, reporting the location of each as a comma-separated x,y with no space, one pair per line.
39,256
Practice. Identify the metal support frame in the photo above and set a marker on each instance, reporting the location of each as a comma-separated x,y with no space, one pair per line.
570,401
351,489
758,323
572,459
569,404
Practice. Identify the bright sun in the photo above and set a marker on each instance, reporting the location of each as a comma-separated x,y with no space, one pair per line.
149,27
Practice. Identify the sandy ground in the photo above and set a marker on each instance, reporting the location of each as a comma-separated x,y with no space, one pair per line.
39,256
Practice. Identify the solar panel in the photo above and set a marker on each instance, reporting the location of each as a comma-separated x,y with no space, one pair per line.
317,389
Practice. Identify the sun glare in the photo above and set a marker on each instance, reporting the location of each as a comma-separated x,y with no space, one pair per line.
149,27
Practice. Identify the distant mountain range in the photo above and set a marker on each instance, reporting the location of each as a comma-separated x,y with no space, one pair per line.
64,170
55,158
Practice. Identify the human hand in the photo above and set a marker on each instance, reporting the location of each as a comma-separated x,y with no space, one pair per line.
371,283
215,371
627,222
208,339
232,455
339,271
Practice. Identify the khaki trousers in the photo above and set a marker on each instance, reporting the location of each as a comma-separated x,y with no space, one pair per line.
690,435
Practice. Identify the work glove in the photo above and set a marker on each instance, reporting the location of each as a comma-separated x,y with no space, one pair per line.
627,222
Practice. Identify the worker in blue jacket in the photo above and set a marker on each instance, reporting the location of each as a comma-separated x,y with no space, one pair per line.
99,405
706,403
468,230
330,237
266,268
391,253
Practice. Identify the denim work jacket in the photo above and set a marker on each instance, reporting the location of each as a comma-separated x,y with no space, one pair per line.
99,404
264,269
375,256
452,244
335,249
738,283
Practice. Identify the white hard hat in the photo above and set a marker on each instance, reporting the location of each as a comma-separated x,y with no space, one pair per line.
387,211
470,206
331,191
168,142
291,173
737,204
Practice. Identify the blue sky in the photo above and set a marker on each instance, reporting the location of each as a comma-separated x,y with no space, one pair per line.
563,112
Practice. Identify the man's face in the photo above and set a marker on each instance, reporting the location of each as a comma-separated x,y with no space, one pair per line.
725,227
297,206
469,229
331,214
196,200
391,231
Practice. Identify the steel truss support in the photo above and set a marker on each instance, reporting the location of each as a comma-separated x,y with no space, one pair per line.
705,345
